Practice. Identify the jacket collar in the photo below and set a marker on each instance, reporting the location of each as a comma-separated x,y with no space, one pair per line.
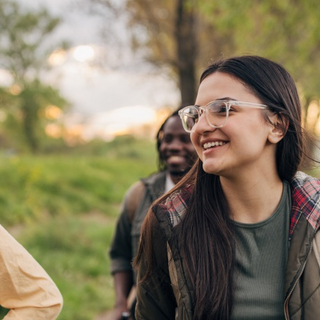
155,184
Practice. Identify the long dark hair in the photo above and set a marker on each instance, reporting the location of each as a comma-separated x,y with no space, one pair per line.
206,234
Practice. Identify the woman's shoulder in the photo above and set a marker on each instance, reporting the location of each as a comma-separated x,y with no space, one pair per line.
301,179
305,191
305,187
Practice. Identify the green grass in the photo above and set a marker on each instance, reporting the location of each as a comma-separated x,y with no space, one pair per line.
33,187
75,254
63,208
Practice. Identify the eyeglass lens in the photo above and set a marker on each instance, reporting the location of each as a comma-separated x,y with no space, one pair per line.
216,114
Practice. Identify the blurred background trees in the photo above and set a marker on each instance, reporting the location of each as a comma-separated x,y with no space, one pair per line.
285,31
181,37
174,36
24,48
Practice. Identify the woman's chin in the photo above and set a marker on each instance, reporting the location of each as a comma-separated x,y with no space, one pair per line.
211,169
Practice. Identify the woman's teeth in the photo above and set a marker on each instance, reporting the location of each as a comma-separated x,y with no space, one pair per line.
213,144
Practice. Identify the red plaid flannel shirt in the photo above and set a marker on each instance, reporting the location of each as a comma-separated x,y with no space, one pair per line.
305,192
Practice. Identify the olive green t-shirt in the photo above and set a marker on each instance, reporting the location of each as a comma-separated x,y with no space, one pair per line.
261,258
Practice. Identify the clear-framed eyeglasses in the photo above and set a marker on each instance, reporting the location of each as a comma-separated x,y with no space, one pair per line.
217,112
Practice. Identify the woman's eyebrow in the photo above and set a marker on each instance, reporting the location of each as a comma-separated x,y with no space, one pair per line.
227,98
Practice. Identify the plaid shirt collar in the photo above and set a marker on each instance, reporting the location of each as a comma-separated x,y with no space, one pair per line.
305,192
176,204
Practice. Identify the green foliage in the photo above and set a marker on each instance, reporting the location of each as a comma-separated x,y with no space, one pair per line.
34,187
22,35
74,252
23,53
25,120
63,208
285,31
125,146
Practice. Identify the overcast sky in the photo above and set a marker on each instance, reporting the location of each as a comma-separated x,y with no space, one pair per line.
91,89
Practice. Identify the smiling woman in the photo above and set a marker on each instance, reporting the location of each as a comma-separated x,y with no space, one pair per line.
239,237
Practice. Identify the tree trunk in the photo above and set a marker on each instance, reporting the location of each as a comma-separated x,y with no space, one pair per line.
185,34
29,119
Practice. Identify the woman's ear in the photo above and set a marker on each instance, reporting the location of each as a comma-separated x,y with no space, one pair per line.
279,127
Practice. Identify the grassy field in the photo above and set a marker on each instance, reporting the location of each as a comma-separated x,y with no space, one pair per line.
63,208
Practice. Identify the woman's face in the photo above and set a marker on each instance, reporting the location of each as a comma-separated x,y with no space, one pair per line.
243,144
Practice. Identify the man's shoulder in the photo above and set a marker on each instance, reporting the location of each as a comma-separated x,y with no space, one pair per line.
155,178
139,186
134,194
152,186
135,188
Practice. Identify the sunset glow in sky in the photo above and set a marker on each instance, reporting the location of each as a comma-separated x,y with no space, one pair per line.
124,85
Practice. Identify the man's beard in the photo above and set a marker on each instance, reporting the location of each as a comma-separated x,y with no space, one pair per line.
179,173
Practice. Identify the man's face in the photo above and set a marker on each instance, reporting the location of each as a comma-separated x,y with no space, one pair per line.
176,148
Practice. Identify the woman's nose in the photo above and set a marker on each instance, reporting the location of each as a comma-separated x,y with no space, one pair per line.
202,125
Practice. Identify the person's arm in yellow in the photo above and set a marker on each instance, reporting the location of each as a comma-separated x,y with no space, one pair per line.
25,288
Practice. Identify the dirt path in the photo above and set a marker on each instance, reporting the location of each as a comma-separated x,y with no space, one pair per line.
104,316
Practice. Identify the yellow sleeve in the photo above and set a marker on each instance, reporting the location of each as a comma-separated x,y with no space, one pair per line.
25,288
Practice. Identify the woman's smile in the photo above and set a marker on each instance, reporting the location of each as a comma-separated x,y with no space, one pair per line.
209,145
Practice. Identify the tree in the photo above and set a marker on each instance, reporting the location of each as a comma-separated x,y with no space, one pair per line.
285,31
166,32
172,35
184,35
26,112
23,54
